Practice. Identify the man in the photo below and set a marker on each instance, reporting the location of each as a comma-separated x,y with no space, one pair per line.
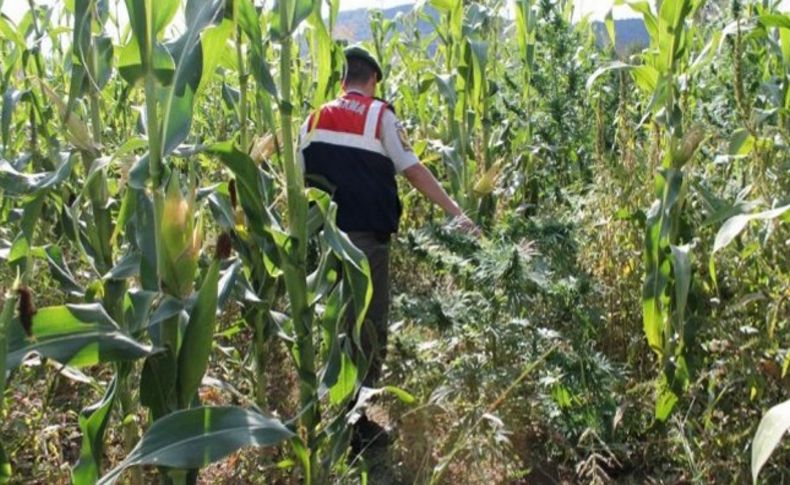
353,147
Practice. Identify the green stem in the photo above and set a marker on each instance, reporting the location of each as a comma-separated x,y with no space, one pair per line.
152,118
131,432
6,317
259,322
296,273
243,102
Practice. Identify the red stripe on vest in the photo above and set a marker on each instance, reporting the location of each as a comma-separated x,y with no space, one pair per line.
346,114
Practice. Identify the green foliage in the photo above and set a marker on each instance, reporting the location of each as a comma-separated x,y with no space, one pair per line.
583,337
196,437
772,427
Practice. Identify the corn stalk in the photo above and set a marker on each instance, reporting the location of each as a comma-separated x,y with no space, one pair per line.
668,267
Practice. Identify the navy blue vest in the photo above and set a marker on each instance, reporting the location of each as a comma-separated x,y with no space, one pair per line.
343,154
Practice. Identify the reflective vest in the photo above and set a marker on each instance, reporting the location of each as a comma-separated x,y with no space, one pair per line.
343,154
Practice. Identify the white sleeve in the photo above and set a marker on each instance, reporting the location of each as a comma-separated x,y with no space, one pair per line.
396,142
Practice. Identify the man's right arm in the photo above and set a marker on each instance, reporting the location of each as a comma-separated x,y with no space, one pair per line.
399,149
423,180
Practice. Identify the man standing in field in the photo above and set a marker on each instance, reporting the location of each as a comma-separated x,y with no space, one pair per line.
353,147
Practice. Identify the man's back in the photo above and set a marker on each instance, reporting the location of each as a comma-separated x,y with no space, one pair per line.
347,150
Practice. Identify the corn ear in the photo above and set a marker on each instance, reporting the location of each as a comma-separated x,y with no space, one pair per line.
488,180
263,148
684,150
181,240
77,131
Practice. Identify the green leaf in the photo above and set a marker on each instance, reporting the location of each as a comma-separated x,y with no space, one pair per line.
162,14
145,239
5,466
196,437
137,307
158,383
446,85
127,267
610,29
60,270
681,264
403,396
356,269
11,99
249,22
784,38
770,431
741,143
164,11
130,64
198,336
665,403
187,52
298,10
735,225
214,44
345,383
77,335
645,77
444,5
614,66
16,183
91,67
252,195
672,15
6,320
17,36
93,421
775,20
643,7
321,47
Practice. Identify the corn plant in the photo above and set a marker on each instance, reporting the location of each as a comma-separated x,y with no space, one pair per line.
164,240
668,264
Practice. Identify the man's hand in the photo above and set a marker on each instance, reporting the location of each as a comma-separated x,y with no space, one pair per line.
465,225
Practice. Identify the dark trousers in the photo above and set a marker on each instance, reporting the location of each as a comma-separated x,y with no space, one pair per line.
374,330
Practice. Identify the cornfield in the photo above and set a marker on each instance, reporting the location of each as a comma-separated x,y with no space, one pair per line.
175,297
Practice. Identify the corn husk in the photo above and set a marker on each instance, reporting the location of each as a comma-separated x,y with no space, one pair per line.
487,182
181,240
263,148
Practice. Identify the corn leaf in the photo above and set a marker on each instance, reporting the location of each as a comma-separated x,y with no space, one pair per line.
93,421
5,466
77,335
249,21
198,336
6,321
735,225
298,11
770,431
187,52
196,437
356,268
130,64
11,99
15,183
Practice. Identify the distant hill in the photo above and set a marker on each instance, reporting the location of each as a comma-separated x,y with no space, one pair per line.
630,34
354,26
